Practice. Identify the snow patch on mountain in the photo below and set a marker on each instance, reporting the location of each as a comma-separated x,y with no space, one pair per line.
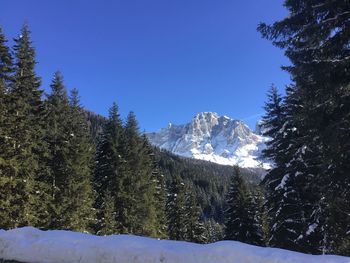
214,138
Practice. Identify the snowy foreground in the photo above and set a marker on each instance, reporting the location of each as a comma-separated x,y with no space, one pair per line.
34,246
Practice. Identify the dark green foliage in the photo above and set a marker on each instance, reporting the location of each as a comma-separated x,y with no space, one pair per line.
242,216
26,111
107,221
95,123
195,230
273,122
70,160
283,202
214,231
315,164
7,168
137,180
57,136
183,214
209,181
139,184
259,216
127,172
109,174
158,188
81,153
176,210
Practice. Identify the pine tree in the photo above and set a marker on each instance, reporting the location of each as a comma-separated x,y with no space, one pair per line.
283,202
314,38
139,184
273,122
7,169
158,189
125,168
259,228
108,221
81,153
283,183
214,231
175,210
57,138
240,215
195,231
70,160
160,202
109,176
26,111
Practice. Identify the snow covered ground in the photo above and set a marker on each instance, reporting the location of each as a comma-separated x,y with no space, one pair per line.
35,246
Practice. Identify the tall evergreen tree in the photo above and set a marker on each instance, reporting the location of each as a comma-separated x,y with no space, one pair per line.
176,210
7,169
283,201
160,202
57,138
240,224
70,160
315,39
195,231
81,154
259,217
158,189
273,121
139,184
26,111
108,177
107,221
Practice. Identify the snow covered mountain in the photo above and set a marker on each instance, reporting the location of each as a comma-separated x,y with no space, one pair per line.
214,138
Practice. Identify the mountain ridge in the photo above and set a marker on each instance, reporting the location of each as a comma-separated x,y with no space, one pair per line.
215,138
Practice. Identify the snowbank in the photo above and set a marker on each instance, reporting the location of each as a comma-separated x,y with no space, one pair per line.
34,246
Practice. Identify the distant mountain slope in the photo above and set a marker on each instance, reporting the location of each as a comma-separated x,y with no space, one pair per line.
95,123
214,138
210,181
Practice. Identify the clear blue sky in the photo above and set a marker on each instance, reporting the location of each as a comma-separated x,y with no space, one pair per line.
165,60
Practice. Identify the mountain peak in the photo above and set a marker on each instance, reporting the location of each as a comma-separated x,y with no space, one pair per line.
206,117
206,114
215,138
209,115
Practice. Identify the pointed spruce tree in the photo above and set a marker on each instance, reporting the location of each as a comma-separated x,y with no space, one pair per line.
195,230
139,184
7,168
111,199
175,210
70,160
57,138
28,148
160,202
157,193
240,218
81,153
283,197
314,39
272,122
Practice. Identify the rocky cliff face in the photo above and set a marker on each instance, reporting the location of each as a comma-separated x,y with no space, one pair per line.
214,138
